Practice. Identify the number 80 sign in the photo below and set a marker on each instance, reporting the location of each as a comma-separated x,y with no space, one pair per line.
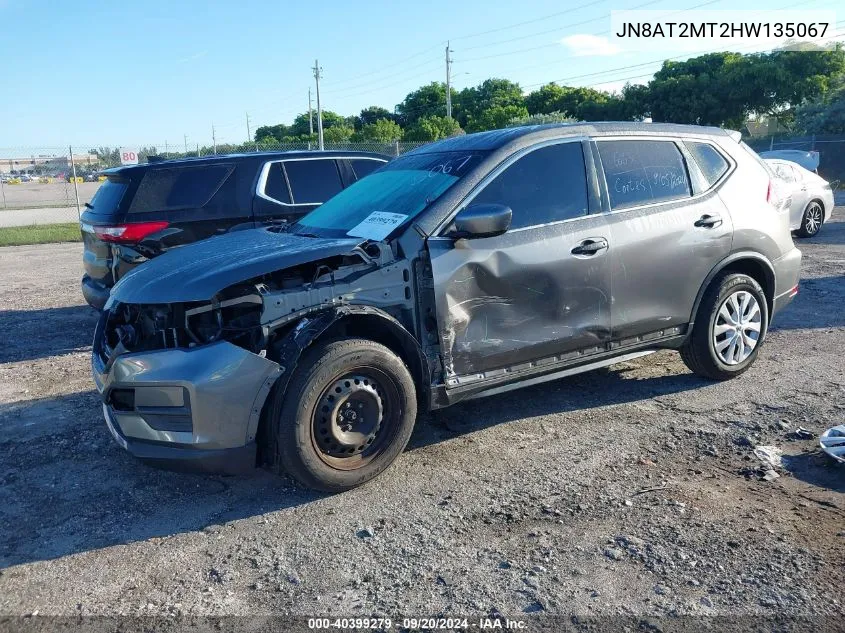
128,156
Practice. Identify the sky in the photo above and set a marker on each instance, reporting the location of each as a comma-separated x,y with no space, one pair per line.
151,72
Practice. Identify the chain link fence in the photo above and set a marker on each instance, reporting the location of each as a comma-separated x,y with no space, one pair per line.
831,149
50,185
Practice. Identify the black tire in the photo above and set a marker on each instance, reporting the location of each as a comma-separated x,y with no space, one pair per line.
811,220
699,351
311,441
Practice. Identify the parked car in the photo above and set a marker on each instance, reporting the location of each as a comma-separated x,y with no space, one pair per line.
807,160
467,267
810,197
25,178
142,211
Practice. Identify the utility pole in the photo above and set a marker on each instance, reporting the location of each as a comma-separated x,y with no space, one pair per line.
248,133
186,143
317,73
448,82
214,138
310,114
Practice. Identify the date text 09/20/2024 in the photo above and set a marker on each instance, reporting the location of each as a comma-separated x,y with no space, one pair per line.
416,624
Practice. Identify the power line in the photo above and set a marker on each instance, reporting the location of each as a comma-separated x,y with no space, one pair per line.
532,21
568,26
533,66
388,66
428,62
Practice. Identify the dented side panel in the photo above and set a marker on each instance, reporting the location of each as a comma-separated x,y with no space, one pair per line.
520,296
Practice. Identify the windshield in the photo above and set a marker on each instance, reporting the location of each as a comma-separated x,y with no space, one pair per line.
377,205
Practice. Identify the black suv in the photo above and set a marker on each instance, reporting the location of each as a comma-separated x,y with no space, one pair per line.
141,211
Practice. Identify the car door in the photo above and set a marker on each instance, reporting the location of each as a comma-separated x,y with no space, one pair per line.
289,188
541,291
667,233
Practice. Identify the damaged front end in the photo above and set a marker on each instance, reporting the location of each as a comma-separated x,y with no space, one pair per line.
185,383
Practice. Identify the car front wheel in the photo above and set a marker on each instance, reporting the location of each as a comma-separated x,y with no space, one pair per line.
729,328
346,415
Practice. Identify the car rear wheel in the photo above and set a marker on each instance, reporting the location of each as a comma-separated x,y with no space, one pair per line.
812,220
729,328
346,414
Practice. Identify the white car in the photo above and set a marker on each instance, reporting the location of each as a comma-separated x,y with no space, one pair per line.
807,160
811,196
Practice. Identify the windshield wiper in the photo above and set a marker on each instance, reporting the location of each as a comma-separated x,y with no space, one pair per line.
89,205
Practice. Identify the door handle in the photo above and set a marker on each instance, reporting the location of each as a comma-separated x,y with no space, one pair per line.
590,246
709,221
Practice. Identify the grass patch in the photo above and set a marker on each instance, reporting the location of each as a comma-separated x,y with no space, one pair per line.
40,234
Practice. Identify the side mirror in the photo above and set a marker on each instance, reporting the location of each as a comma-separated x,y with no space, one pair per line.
482,220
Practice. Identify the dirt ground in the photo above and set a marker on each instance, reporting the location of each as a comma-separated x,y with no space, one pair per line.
627,491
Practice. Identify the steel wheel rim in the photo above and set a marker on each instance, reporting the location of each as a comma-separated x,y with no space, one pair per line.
737,327
814,219
355,418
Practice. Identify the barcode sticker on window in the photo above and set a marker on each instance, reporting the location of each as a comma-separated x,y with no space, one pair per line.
377,225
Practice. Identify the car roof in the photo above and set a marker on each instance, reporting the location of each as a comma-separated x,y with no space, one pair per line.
525,135
228,158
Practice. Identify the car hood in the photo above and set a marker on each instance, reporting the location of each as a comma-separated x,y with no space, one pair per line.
198,271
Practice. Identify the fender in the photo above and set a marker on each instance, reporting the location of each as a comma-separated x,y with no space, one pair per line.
290,348
727,261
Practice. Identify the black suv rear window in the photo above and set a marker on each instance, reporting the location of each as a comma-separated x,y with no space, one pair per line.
179,187
643,172
107,198
365,166
313,181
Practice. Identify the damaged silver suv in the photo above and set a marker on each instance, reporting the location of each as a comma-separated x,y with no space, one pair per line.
465,268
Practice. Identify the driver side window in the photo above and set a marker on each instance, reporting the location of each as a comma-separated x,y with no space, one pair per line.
548,184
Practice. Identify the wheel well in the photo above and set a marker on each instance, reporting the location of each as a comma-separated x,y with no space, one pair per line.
758,271
392,336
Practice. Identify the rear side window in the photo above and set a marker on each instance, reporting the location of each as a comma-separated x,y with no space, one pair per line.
364,167
546,185
276,187
107,198
179,187
313,181
711,163
643,172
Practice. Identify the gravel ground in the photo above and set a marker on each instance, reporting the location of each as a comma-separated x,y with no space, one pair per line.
632,490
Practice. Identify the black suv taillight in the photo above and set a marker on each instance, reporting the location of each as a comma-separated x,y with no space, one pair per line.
132,232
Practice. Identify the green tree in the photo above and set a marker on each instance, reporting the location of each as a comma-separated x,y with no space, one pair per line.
268,132
424,102
545,100
300,125
372,114
495,117
700,91
825,116
380,131
490,93
338,134
432,128
541,119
